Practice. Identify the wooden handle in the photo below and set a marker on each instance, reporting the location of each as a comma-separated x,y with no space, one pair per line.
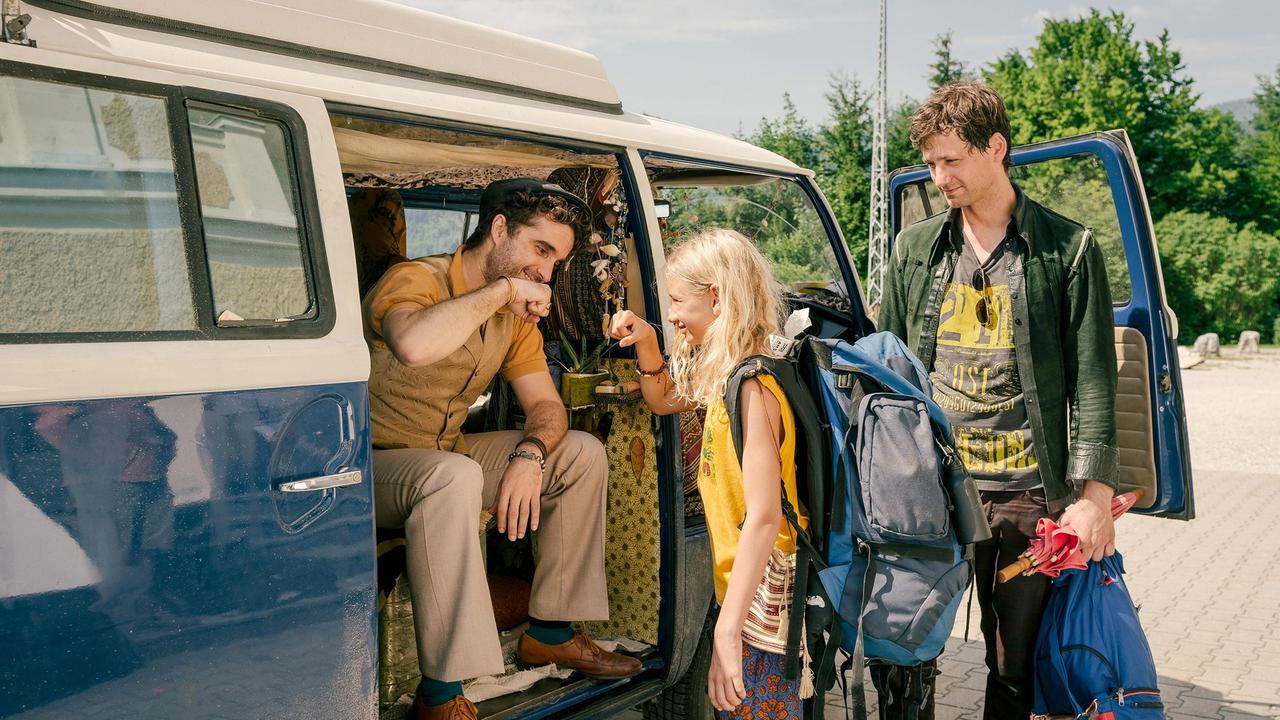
1010,572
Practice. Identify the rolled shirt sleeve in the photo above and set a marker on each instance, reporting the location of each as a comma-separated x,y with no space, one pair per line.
407,284
525,355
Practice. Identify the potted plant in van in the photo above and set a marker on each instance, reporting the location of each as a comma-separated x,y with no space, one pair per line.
582,372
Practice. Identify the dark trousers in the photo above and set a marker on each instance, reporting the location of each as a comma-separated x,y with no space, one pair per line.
1011,611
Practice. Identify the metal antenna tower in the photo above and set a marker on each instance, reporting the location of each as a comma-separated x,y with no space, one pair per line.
878,235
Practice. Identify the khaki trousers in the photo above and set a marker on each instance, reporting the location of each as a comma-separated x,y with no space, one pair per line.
437,496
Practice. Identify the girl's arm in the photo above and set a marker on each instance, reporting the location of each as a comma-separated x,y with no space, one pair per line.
762,487
659,392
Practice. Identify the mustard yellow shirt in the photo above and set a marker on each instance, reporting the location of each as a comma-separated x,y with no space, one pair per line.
425,407
720,484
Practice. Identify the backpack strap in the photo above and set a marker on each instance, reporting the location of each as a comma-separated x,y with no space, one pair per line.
825,667
858,658
749,368
805,413
857,391
797,397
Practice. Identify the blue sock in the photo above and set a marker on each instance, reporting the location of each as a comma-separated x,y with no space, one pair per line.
438,692
550,632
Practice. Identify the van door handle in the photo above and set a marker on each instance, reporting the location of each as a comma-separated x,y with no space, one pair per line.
324,482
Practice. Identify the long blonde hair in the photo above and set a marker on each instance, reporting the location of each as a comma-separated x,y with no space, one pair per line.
750,310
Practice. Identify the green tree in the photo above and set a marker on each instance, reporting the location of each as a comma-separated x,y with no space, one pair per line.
900,151
780,219
945,68
1090,74
1219,277
838,151
844,173
1263,153
789,135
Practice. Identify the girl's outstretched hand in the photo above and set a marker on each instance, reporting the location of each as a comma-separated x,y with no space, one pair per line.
725,687
630,329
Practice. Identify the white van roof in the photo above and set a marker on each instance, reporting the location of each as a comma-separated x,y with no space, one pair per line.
353,54
378,35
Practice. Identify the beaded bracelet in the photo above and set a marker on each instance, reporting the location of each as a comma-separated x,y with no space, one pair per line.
652,373
542,447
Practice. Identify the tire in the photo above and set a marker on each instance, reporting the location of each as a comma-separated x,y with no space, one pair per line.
687,699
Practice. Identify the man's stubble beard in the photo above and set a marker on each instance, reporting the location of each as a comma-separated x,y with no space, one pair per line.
500,264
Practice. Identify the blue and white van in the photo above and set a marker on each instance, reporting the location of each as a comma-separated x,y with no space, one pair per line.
186,525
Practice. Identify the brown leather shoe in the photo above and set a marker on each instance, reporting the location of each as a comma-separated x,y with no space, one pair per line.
581,654
458,708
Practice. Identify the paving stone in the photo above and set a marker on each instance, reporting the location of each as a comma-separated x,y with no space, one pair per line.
1237,663
1234,715
1199,707
971,653
961,697
1258,690
976,680
947,712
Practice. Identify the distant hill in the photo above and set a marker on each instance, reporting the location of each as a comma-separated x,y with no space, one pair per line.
1244,111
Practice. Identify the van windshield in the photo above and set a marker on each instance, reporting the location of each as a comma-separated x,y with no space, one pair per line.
775,212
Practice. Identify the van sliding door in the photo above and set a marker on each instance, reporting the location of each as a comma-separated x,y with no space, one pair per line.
185,509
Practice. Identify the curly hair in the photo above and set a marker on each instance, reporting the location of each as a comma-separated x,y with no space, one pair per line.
750,310
521,210
973,110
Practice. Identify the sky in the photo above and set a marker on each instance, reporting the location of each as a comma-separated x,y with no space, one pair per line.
721,65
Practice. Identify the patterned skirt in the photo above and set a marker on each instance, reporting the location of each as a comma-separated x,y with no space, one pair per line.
770,696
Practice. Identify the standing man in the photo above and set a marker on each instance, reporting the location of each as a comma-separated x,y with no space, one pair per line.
439,329
1007,303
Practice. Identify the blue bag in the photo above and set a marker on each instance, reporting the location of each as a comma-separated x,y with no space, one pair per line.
1092,658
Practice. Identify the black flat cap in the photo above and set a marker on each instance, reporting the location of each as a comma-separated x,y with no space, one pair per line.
502,191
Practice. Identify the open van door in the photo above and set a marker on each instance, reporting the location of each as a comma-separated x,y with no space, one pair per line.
1094,180
186,523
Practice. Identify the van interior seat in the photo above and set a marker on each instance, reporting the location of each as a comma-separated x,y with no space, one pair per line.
1134,427
378,227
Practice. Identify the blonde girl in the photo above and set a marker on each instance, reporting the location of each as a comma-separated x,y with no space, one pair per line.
724,306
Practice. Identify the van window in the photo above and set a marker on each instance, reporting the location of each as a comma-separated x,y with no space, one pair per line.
776,212
1075,187
918,201
90,237
248,205
433,231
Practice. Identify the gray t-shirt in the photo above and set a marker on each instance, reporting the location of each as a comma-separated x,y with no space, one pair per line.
975,374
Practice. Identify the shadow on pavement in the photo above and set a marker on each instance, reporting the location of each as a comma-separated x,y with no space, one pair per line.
1186,700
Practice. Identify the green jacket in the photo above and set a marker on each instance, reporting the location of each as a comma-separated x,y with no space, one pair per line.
1063,334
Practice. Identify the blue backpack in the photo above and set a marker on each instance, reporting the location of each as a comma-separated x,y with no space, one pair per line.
1092,658
891,508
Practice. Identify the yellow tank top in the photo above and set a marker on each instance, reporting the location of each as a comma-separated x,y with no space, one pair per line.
720,484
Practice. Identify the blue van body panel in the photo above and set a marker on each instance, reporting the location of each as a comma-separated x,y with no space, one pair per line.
176,579
1142,312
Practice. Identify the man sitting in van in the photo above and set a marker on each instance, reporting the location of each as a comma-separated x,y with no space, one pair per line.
439,329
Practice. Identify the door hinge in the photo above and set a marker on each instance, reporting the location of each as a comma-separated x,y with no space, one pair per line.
13,24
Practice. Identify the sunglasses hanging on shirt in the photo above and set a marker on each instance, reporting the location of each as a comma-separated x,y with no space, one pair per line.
980,283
